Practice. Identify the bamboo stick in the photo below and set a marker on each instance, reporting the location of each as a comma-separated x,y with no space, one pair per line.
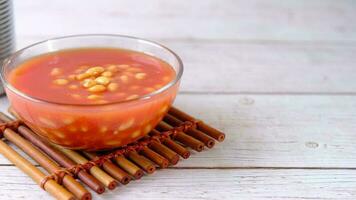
141,161
207,140
35,174
111,169
102,176
69,182
182,151
155,157
182,137
212,132
129,167
166,152
172,146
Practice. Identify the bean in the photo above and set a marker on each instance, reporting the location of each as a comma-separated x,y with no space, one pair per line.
101,101
103,129
81,69
94,71
135,134
102,80
47,122
134,69
73,87
134,96
88,83
61,81
56,71
126,125
147,128
107,74
163,109
113,68
97,88
124,78
166,78
113,142
113,86
83,76
94,97
140,76
78,71
71,77
84,128
68,120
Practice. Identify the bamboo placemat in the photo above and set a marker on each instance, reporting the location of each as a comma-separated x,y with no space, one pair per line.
68,170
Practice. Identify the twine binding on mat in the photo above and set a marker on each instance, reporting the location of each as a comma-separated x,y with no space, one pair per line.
56,176
12,125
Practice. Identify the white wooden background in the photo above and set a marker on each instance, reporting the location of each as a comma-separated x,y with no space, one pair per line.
278,76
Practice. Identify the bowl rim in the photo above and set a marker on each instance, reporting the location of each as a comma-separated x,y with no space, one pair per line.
14,55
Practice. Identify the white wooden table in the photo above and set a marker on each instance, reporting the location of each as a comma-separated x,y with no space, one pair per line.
279,77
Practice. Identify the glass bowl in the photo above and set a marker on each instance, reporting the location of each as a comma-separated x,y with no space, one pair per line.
103,126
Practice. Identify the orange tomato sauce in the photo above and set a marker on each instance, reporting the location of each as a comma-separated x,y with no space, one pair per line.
64,76
88,96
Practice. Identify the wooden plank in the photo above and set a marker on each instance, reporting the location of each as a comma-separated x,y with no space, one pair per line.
210,184
4,104
204,19
265,67
275,131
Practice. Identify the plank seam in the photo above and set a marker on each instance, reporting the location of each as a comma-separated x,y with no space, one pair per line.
270,93
239,168
349,43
